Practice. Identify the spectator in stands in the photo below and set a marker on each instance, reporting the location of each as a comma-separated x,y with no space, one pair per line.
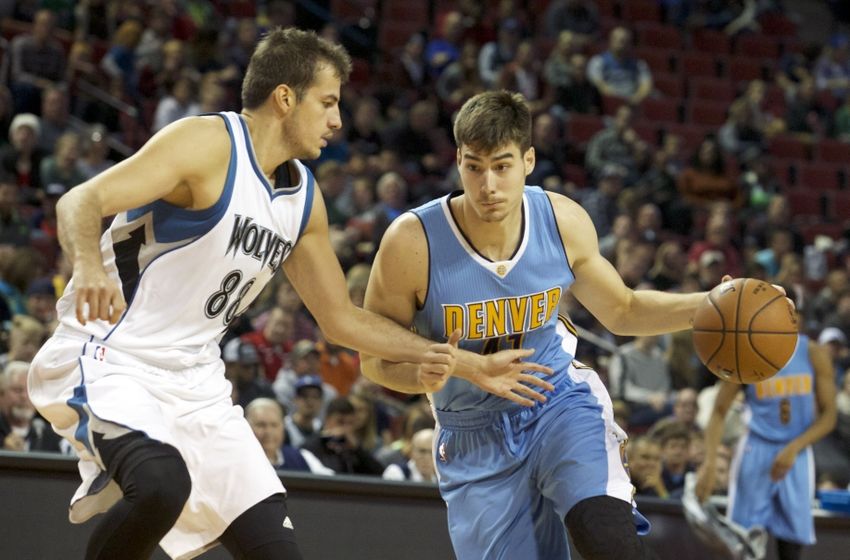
156,32
241,367
18,268
617,73
41,301
710,267
618,144
523,75
445,49
366,421
241,48
419,138
273,341
579,17
778,215
840,317
420,467
22,157
832,69
824,302
669,267
639,375
460,80
622,228
182,102
95,149
392,202
37,62
304,364
119,62
21,428
781,243
363,133
675,440
304,418
685,368
337,446
266,420
705,180
63,167
551,156
574,92
645,467
805,115
13,229
601,202
43,223
496,54
54,117
835,342
685,409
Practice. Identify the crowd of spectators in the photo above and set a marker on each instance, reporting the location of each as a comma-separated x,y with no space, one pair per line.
83,84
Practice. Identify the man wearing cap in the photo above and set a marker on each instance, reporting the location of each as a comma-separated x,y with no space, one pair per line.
304,418
22,157
241,367
303,361
337,447
835,342
41,301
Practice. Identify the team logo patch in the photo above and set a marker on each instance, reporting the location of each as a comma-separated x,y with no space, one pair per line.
287,524
442,453
100,353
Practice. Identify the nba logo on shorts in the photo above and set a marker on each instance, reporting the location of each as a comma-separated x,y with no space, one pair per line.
442,453
100,353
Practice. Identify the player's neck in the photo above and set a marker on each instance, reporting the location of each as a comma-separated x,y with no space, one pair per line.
496,240
266,135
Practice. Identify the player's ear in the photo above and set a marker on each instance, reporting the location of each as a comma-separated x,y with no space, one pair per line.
530,159
284,98
459,157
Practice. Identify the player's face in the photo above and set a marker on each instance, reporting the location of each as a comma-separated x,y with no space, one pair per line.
315,117
494,182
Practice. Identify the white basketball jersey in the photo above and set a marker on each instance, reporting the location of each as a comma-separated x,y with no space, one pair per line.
186,274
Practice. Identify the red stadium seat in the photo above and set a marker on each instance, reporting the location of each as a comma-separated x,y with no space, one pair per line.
658,60
742,69
611,104
810,231
647,130
832,151
697,64
660,110
806,203
713,89
692,135
774,100
581,128
788,146
641,10
576,174
709,41
659,36
709,113
774,23
758,46
839,205
670,84
820,176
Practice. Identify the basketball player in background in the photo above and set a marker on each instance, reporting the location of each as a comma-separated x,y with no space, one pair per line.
772,473
489,265
207,212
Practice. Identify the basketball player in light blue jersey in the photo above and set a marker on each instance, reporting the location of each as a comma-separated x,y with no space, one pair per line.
772,476
205,213
487,268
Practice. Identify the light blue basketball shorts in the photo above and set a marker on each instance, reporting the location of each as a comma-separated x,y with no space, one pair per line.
784,508
510,478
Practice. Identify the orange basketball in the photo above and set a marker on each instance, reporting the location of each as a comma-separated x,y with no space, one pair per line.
745,331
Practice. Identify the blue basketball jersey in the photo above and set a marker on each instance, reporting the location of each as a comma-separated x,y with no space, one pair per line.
783,407
497,305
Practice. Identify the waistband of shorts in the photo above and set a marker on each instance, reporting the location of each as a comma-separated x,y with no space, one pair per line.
474,419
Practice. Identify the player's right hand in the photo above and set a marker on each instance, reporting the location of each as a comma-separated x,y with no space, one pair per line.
439,363
705,481
97,297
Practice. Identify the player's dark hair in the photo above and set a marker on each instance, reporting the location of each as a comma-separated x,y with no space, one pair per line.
293,57
492,120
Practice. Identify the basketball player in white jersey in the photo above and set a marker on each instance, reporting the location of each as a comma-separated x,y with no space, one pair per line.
206,212
489,265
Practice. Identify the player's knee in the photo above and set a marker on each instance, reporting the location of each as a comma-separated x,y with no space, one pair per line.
161,484
602,527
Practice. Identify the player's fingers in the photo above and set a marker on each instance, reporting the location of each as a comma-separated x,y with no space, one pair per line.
104,296
781,289
531,366
536,381
118,306
726,278
436,357
530,393
511,396
520,353
80,307
454,338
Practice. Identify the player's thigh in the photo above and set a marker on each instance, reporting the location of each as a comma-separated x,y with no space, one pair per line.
793,519
579,456
750,492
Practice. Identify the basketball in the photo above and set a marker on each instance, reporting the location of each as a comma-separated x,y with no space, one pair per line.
745,331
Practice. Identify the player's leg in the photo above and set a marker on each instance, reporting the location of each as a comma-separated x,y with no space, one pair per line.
579,463
792,522
787,550
487,492
750,486
155,483
263,532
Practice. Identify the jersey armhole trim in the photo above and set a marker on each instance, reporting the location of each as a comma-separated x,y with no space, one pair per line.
560,235
428,272
308,201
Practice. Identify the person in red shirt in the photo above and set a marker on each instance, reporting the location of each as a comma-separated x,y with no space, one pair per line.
273,341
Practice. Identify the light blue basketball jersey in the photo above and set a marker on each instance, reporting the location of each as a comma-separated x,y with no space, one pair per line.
783,407
498,305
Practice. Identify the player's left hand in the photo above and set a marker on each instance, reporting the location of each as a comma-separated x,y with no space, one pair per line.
439,363
783,462
504,376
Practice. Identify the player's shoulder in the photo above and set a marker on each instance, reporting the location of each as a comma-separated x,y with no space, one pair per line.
191,133
565,208
405,229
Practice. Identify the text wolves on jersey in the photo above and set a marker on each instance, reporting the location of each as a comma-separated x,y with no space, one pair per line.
258,241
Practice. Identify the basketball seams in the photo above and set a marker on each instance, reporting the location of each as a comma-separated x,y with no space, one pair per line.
750,331
722,325
743,286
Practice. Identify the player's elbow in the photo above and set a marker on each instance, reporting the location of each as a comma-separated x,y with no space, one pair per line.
370,367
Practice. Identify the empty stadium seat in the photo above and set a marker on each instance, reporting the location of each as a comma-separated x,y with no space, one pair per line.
713,89
832,151
698,64
789,147
709,41
806,203
659,36
709,113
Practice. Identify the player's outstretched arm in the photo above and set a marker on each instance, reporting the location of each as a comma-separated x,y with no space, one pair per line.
827,412
600,289
713,434
171,160
397,288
